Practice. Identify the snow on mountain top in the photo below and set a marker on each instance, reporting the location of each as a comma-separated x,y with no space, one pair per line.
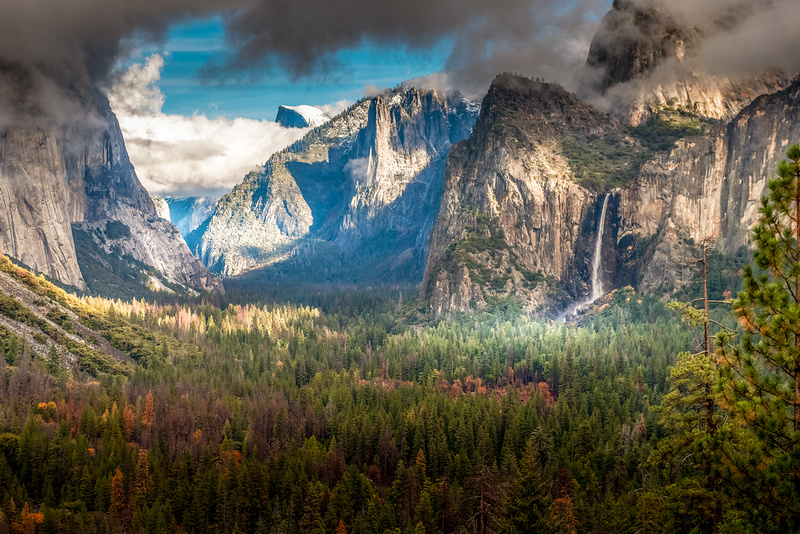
301,116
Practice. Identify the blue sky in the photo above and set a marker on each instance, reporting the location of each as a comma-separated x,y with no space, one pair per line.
190,135
190,46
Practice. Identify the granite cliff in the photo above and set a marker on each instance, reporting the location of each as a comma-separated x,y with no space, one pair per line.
706,188
63,176
363,189
518,212
682,158
643,60
521,204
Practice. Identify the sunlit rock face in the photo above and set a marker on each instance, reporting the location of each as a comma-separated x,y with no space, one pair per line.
644,60
707,187
518,226
35,216
69,172
370,179
514,223
521,203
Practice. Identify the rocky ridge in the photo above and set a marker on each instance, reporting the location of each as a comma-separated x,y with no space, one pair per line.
514,219
687,162
518,225
372,176
643,60
56,178
706,188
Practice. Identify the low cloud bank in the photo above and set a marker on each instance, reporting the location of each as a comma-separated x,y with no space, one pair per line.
175,155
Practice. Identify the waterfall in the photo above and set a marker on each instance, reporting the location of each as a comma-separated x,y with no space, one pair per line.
597,280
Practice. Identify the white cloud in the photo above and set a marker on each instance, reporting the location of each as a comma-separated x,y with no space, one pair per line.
135,91
359,169
331,110
179,155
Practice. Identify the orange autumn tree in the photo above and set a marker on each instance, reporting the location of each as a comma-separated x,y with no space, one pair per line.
117,492
149,410
29,520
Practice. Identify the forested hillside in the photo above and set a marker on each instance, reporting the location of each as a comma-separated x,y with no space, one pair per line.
364,416
290,420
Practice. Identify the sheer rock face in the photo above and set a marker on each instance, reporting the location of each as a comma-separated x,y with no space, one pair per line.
34,216
644,59
511,210
707,187
375,170
53,177
511,206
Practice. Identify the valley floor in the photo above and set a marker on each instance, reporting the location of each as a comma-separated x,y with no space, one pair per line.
346,416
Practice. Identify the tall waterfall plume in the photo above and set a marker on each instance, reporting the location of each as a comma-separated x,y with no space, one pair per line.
597,271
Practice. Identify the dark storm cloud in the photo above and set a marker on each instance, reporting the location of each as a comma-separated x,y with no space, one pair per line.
546,38
645,49
53,53
767,36
87,34
74,43
488,37
730,37
84,37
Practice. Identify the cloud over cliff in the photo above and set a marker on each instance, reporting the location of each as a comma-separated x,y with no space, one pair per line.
85,37
76,43
720,37
186,156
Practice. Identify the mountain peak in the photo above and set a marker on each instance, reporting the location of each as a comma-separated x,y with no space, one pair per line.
647,57
366,184
301,116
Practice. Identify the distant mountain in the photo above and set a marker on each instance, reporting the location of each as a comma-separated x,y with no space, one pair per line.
189,213
72,207
301,117
354,199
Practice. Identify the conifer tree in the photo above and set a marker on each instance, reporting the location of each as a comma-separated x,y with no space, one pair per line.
692,451
761,376
149,410
530,502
